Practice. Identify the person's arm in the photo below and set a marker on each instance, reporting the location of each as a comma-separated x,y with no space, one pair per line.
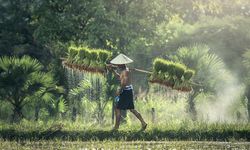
117,75
132,69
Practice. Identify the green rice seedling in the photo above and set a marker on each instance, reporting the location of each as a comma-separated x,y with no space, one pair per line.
80,56
171,81
87,54
83,52
161,76
84,58
72,52
168,72
160,69
159,65
171,68
93,58
166,66
179,70
104,55
188,74
177,83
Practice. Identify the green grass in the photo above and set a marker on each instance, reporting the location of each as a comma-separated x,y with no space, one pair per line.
66,130
57,144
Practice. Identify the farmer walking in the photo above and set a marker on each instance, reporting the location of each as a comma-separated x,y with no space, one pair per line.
125,92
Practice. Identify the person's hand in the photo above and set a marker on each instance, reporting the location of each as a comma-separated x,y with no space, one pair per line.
109,66
118,92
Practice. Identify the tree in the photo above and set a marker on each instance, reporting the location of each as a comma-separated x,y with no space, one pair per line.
21,78
227,37
207,66
93,88
76,93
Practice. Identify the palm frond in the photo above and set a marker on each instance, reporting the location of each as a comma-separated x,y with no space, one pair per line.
81,88
190,55
210,69
62,105
212,61
23,77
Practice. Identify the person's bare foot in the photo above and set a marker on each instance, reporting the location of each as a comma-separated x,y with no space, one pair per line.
114,129
143,128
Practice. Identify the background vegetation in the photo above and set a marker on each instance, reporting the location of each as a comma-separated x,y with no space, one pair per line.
210,37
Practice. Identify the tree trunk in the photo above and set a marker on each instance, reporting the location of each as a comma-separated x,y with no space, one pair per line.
74,113
191,105
101,116
113,113
37,110
17,113
153,115
100,103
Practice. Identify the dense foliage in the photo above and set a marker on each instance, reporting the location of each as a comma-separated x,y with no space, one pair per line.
22,80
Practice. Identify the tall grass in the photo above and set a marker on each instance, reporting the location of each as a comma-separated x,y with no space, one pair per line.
184,130
171,123
58,144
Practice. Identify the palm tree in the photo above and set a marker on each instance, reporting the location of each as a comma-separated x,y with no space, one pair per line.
210,71
20,79
94,89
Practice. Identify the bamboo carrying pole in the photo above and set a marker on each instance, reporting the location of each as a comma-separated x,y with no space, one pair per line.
143,71
140,70
136,69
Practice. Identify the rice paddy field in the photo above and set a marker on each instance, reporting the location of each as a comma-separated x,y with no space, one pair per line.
94,145
185,135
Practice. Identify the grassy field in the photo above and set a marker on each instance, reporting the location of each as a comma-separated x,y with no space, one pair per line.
178,131
173,135
48,145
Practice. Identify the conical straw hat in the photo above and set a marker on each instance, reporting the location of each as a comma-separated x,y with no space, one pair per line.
121,59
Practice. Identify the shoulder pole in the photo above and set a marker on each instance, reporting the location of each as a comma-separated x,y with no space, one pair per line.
143,71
